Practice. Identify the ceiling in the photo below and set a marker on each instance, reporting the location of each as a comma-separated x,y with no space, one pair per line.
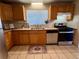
37,1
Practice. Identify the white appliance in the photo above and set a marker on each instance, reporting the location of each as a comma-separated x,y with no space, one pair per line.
3,50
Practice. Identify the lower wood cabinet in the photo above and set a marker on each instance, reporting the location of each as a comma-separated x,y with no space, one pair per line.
20,37
37,37
23,37
33,38
42,38
8,40
29,37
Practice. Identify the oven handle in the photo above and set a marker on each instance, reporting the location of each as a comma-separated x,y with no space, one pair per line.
67,32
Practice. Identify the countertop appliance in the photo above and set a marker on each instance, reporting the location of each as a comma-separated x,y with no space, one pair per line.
65,35
52,36
3,50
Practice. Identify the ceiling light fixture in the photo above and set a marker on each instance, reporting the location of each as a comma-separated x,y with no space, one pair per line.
37,3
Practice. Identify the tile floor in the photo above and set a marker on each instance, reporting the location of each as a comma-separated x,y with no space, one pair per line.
53,52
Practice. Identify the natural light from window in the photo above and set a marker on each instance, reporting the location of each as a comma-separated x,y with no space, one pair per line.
37,16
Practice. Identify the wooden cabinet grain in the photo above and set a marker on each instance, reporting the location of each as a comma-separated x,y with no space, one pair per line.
55,8
33,38
42,38
37,37
15,37
8,39
18,12
6,12
24,37
20,37
29,37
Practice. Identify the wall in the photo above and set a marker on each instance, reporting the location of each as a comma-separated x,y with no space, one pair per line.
76,17
38,7
75,23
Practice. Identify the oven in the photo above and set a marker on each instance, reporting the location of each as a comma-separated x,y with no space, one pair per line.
65,35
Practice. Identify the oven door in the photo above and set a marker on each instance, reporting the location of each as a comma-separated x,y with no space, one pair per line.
65,36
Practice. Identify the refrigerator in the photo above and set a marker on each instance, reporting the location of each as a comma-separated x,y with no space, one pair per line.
3,50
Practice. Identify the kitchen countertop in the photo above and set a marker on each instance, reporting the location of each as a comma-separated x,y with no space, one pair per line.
36,29
6,30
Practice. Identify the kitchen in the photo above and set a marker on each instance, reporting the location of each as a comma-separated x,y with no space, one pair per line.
39,30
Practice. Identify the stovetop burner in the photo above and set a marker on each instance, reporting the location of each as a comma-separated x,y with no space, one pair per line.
65,28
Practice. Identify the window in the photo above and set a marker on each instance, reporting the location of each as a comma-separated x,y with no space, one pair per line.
37,16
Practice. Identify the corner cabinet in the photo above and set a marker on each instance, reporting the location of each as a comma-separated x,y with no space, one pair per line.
6,12
18,12
8,39
55,8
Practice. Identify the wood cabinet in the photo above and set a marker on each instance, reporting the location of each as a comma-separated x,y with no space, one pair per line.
20,37
37,37
6,12
29,37
8,39
18,12
55,8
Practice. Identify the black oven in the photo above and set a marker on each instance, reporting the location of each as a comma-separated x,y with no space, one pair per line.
65,34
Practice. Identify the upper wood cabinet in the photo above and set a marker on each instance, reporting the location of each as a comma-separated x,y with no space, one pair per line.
6,12
18,12
55,8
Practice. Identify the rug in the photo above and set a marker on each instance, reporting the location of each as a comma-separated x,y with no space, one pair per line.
37,49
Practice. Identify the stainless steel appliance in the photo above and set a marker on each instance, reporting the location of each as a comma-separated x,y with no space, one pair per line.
52,36
3,50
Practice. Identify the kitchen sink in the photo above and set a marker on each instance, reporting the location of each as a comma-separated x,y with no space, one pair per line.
37,28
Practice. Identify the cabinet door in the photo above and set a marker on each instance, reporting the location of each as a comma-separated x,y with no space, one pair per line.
9,11
24,37
41,38
15,37
18,12
55,8
33,38
20,37
37,37
6,12
9,42
3,12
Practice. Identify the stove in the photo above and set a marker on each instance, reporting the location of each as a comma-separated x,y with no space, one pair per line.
65,34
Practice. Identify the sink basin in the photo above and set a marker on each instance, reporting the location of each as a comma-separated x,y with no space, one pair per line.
37,28
50,28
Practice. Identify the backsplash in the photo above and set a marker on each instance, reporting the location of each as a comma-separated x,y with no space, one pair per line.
15,24
24,24
41,26
74,22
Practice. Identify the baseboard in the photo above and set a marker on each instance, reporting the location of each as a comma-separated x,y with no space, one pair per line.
52,44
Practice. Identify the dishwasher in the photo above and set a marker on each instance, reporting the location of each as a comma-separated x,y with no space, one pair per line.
52,36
